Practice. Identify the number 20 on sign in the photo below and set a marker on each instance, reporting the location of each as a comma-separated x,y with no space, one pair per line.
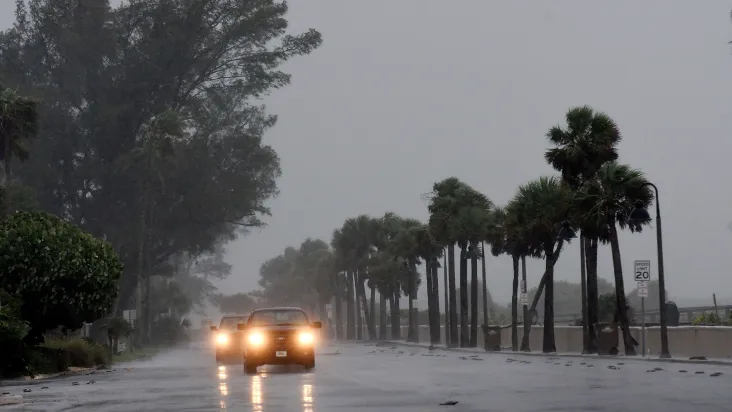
642,270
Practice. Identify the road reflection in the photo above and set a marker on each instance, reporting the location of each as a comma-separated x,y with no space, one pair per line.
223,386
307,397
257,394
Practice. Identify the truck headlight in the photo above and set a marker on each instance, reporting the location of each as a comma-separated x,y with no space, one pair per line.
305,338
256,339
222,339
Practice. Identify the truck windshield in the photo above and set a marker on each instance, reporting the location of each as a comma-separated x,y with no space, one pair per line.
278,317
230,323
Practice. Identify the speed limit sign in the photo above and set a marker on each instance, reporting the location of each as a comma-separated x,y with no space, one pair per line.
642,270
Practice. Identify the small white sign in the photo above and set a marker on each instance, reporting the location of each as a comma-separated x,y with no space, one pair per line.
523,286
329,310
524,299
642,290
415,304
642,269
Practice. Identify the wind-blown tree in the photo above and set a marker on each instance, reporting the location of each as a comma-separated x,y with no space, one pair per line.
209,61
18,124
353,245
610,198
473,220
238,303
589,141
506,236
278,285
443,209
149,163
430,251
457,216
405,248
540,206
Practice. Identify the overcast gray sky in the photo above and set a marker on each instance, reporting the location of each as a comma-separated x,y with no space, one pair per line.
406,92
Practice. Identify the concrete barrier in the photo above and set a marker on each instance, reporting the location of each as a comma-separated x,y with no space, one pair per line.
711,342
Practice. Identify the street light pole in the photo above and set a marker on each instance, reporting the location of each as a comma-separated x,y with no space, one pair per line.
665,354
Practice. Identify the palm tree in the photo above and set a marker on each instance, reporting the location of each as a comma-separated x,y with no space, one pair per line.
609,199
458,214
472,220
539,206
506,236
18,124
431,251
404,247
589,141
443,209
361,231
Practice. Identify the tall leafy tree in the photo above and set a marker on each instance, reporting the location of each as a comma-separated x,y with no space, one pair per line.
588,141
104,71
18,124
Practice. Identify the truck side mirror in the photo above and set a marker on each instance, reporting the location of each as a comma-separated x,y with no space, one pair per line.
241,326
317,324
214,328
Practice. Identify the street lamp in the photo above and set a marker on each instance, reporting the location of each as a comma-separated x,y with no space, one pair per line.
640,215
566,233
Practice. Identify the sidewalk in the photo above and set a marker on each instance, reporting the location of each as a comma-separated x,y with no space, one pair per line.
719,362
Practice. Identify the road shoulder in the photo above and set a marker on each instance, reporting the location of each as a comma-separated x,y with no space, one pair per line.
716,362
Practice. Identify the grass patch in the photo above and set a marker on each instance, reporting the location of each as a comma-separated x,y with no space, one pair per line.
80,352
135,355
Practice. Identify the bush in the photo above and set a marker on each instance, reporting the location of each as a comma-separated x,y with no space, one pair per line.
79,352
12,332
63,275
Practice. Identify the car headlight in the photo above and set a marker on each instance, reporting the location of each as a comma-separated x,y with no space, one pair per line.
256,339
305,338
222,339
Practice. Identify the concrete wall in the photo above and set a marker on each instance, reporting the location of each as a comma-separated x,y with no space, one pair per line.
712,342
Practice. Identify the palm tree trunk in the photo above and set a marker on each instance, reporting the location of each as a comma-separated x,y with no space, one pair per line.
525,346
620,291
350,312
361,292
359,317
485,284
583,283
412,314
436,301
447,299
592,292
453,298
430,299
549,345
474,300
514,304
339,307
464,332
372,307
396,317
382,316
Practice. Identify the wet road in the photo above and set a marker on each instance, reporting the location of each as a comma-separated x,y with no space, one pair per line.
373,378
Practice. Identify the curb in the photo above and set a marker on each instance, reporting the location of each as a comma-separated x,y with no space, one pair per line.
565,355
44,377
